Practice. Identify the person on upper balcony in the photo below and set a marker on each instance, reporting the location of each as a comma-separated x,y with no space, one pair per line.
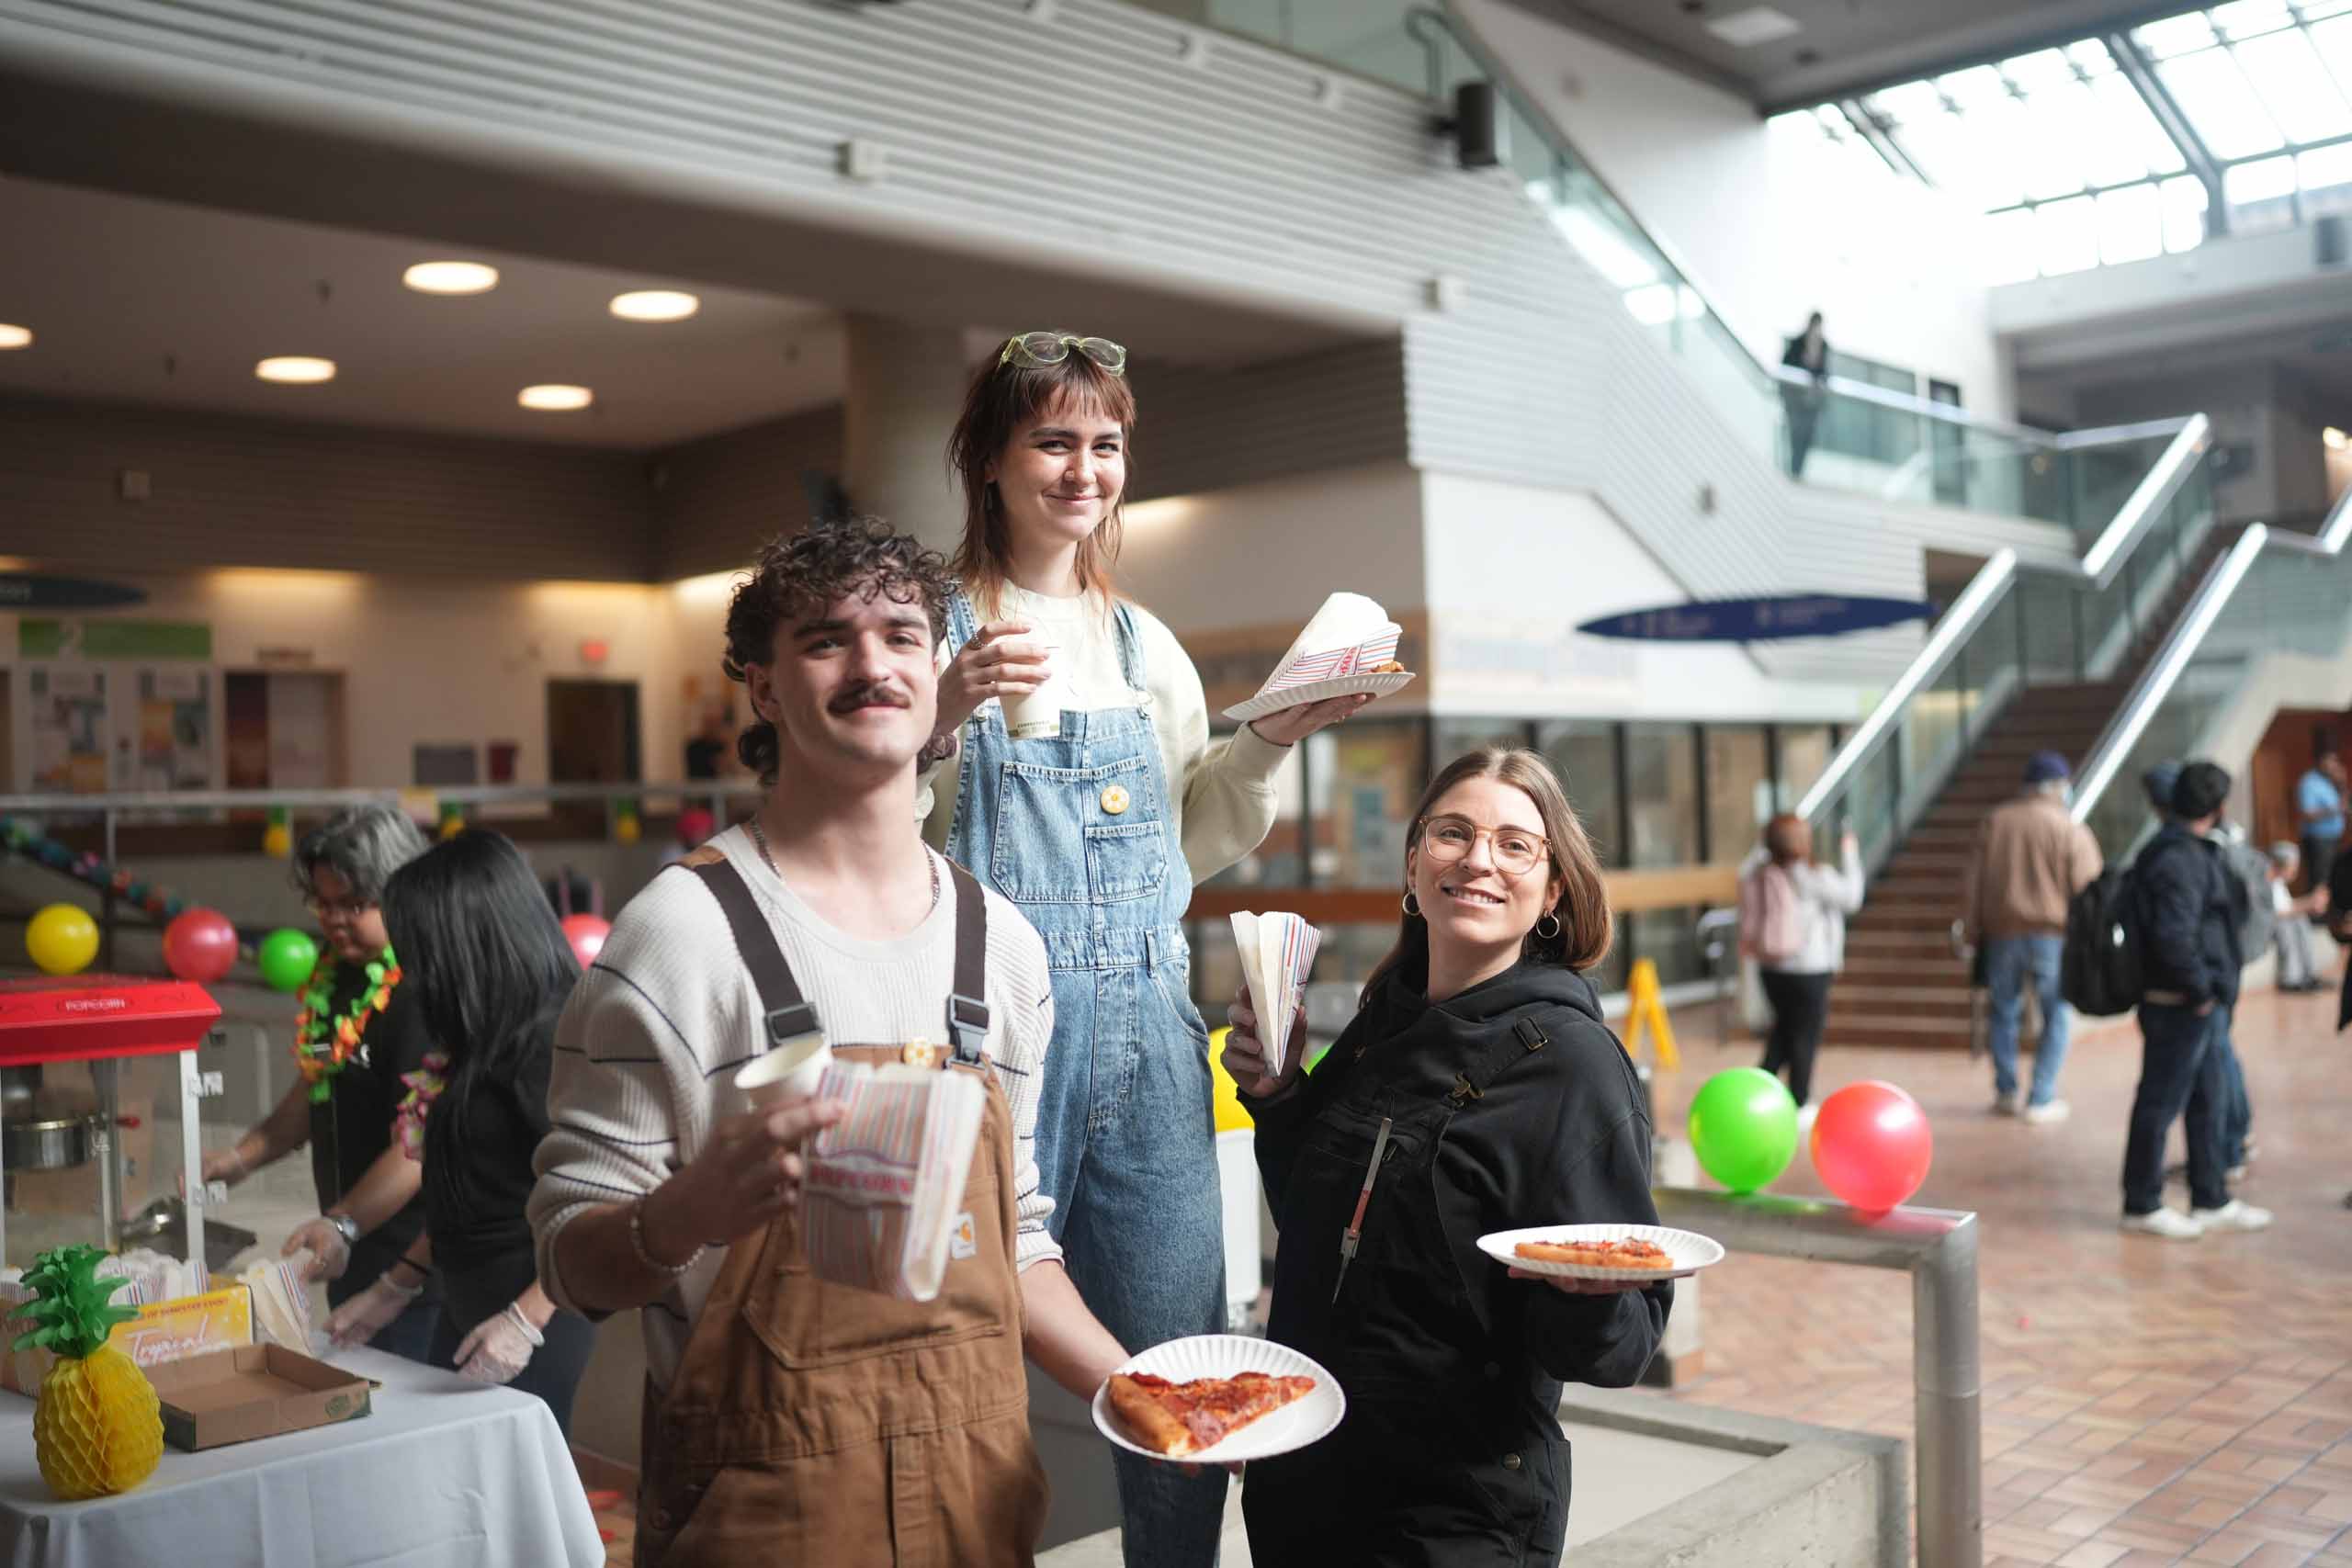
1807,352
2031,859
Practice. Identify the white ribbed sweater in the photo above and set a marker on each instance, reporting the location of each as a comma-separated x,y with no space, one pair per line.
646,1052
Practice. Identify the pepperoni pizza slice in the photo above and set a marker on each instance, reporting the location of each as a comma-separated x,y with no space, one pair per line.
1179,1418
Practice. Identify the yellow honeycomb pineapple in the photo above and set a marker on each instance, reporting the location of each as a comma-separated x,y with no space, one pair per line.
97,1427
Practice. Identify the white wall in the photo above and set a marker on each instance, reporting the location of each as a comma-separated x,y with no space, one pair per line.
1513,569
1770,224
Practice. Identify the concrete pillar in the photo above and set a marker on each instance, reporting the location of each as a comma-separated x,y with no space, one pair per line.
905,386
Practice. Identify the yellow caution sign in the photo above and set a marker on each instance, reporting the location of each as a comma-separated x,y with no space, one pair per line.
1647,1016
1225,1095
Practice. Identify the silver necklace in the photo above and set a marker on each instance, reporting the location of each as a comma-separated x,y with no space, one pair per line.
761,840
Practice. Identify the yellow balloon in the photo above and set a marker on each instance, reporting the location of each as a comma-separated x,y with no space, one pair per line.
452,825
62,939
628,829
277,841
1225,1097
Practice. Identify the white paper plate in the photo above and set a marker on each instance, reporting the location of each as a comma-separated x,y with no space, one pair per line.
1375,685
1296,1425
1689,1251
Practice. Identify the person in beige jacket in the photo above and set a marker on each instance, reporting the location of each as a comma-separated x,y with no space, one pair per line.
2031,857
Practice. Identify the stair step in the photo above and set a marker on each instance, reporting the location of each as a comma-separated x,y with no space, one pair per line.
1943,1036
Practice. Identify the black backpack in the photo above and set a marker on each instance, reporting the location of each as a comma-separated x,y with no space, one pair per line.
2098,968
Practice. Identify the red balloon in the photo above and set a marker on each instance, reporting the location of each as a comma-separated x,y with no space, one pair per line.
695,824
200,945
586,933
1872,1145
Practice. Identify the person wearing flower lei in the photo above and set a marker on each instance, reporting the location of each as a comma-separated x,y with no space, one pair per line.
358,1033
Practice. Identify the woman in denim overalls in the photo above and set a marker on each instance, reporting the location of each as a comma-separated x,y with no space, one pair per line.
1097,830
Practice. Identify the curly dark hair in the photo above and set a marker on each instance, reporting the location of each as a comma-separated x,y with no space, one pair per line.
796,573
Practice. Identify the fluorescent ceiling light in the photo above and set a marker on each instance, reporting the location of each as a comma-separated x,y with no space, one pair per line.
296,369
451,278
555,397
1756,25
655,305
15,337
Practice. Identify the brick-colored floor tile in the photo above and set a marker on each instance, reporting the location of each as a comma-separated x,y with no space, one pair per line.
2082,1522
2226,1548
2275,1555
2095,1555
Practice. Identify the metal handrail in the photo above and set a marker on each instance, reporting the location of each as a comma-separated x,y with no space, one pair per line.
2095,570
1946,413
2147,696
1937,1248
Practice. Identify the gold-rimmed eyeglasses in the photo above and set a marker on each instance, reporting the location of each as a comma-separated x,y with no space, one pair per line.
1040,351
1448,839
337,908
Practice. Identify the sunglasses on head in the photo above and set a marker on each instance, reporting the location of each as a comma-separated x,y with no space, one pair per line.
1040,350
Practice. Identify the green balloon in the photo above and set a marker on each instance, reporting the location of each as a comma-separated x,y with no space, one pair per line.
1744,1128
285,958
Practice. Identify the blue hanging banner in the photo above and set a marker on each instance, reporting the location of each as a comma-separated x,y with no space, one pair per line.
27,591
1760,620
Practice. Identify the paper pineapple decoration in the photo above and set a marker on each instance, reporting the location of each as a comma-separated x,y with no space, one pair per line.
97,1427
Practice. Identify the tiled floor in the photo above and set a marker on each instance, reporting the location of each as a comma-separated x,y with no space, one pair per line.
2145,1402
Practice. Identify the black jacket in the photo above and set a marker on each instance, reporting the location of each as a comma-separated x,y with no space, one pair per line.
1558,1137
2189,907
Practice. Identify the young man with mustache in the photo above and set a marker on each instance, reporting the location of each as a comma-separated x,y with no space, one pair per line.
786,1415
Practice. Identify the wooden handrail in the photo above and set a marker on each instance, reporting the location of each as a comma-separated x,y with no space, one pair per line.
1630,892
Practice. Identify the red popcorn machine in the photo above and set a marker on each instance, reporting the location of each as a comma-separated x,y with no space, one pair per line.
66,1047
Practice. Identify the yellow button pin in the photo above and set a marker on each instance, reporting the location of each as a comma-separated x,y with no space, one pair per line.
1115,799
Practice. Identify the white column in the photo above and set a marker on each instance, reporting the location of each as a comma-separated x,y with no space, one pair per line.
905,386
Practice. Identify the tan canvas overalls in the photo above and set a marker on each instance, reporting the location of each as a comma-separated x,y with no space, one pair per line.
814,1424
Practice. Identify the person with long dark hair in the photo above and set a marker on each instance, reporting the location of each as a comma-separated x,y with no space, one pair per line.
1480,1089
1097,828
1793,922
490,964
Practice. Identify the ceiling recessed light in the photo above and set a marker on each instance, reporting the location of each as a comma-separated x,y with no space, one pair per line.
655,305
555,397
1756,24
296,369
15,337
450,277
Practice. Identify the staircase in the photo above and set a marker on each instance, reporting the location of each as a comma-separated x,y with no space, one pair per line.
1902,986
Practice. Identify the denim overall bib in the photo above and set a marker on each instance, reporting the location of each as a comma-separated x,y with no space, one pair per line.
1075,829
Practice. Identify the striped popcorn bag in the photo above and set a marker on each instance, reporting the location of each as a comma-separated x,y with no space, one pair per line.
879,1205
1277,950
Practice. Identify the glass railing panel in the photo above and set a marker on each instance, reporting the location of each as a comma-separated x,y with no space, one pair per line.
2120,620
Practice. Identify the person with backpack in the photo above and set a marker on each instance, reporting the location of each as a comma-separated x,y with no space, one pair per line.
2031,858
2186,909
1793,922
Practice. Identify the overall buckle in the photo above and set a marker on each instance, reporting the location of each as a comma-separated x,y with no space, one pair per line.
785,1022
968,1027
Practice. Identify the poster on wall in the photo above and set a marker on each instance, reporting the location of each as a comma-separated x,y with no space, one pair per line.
68,730
175,742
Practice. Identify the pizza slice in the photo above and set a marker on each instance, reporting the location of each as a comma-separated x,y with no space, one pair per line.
1179,1418
1632,1254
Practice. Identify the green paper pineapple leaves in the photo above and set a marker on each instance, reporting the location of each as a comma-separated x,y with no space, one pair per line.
74,1307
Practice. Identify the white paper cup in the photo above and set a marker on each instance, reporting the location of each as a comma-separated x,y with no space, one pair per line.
787,1074
1038,713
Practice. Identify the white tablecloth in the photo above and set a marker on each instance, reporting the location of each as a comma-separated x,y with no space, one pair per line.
441,1473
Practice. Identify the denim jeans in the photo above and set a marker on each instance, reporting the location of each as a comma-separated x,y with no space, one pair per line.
1075,829
2237,1111
2010,961
2180,1070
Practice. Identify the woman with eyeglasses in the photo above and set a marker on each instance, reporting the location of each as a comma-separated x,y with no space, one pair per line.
490,970
1097,820
1478,1090
358,1033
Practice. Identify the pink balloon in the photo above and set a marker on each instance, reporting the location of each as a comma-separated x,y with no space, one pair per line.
1872,1145
200,945
586,933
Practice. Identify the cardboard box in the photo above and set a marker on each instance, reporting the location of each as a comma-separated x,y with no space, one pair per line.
162,1332
258,1391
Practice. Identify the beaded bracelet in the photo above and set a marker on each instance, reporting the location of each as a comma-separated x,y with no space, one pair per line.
637,1240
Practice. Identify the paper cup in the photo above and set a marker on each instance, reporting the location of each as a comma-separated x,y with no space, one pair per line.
1038,712
787,1073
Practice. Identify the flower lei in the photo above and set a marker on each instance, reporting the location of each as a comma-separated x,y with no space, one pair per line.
424,1087
324,1044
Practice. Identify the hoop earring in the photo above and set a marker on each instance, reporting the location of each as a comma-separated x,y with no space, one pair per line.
1543,935
1412,907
